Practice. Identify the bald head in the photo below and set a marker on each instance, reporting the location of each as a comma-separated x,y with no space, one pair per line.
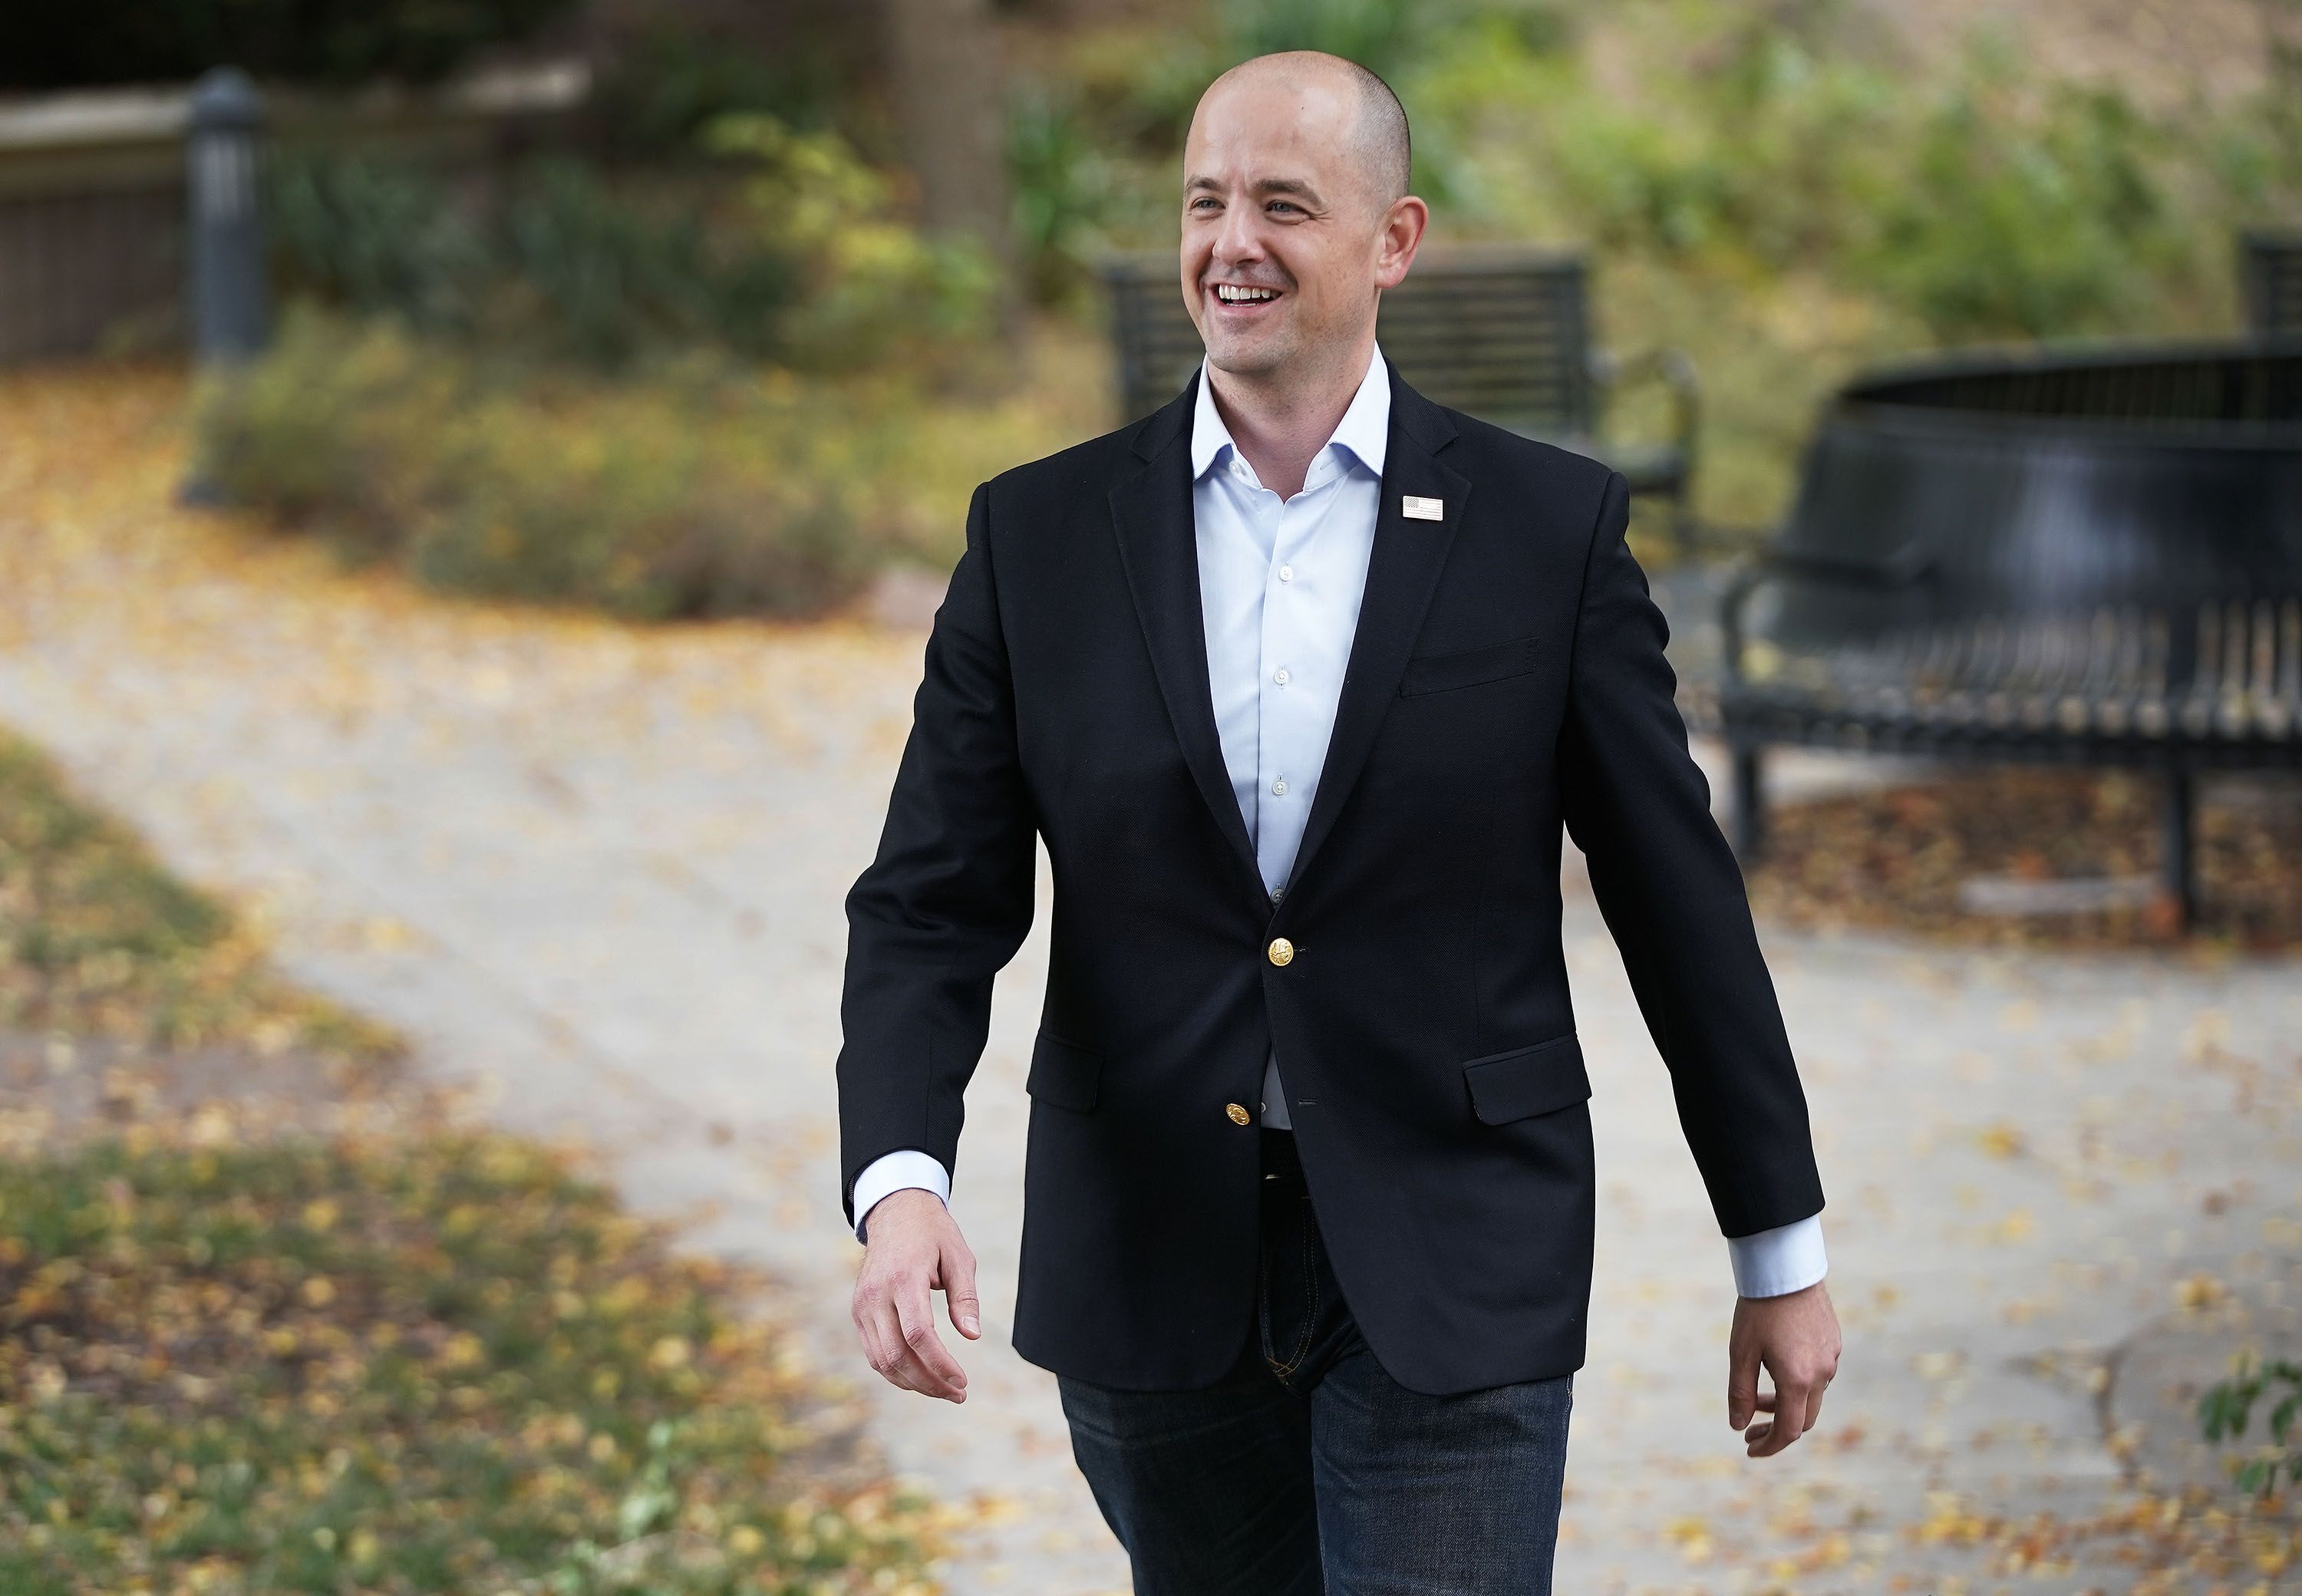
1296,218
1380,149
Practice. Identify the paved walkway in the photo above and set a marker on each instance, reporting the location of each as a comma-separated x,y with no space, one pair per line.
601,868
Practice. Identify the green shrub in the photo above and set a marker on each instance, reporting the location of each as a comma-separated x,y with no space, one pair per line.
567,266
670,72
2226,1408
654,503
878,292
694,488
788,248
334,432
1380,35
2008,223
589,274
374,237
1062,178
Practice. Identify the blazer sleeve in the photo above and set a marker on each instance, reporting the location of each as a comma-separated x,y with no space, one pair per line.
1639,807
948,898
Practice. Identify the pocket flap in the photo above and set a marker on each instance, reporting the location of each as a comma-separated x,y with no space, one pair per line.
1527,1080
1467,668
1063,1073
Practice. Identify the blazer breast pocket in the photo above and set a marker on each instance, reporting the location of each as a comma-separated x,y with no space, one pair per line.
1065,1073
1526,1081
1469,667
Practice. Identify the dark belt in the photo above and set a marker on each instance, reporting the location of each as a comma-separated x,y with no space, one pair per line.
1280,1162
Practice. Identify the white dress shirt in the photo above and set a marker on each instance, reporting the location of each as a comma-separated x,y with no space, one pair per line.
1280,585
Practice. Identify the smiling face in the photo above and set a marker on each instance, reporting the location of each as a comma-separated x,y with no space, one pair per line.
1286,238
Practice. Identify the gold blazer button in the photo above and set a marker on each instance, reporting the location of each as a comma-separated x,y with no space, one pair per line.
1281,951
1239,1115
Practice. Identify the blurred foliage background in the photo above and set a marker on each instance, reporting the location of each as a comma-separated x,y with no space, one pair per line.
894,210
800,275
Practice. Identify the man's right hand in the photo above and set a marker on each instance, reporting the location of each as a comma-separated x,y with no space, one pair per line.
915,1247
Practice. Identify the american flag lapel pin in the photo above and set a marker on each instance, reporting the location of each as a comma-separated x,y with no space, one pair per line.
1423,509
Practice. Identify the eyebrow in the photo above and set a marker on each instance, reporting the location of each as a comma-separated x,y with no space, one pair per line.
1269,185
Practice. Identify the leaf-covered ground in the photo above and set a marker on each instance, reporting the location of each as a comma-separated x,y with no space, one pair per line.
94,937
1904,858
2030,1157
272,1319
378,1363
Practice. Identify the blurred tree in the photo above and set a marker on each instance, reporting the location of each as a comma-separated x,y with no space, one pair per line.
2281,41
945,84
1380,35
1063,181
57,44
665,68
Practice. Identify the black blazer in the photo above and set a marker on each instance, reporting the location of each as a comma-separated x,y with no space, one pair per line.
1507,675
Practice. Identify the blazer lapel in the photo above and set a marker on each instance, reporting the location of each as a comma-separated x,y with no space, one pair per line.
1158,544
1402,573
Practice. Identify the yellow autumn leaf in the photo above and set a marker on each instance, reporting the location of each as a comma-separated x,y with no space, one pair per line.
2001,1140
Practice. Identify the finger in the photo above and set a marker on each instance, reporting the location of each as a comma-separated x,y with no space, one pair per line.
941,1371
1742,1387
874,1323
883,1343
1814,1404
959,1298
1789,1423
904,1368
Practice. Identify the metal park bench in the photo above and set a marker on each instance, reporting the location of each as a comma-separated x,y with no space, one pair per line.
2088,558
1498,332
2269,272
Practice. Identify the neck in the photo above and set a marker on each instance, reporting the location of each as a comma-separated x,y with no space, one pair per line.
1280,419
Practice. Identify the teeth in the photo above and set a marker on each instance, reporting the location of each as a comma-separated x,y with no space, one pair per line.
1230,294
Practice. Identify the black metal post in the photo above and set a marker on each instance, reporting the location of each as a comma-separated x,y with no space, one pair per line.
229,289
2178,857
1749,804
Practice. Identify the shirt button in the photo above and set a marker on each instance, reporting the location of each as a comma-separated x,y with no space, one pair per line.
1280,676
1278,788
1286,573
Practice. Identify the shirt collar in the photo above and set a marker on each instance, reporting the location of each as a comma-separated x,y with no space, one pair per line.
1364,429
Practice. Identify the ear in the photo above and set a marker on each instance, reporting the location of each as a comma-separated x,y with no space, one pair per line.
1398,238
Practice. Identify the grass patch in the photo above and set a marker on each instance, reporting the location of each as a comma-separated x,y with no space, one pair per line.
379,1365
96,938
397,1355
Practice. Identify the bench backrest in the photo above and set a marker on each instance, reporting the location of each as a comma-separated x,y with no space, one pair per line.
2066,485
1499,332
2271,274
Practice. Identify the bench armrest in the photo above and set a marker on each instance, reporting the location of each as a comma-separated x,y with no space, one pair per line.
1906,568
1673,367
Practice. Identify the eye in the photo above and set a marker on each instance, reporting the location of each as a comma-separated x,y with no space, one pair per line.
1290,203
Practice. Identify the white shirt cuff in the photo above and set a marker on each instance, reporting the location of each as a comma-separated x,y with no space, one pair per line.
1772,1262
894,1172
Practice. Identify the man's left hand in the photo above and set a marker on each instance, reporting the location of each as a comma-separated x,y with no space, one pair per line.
1795,1336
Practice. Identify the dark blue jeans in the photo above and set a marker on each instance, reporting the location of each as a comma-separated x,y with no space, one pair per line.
1307,1469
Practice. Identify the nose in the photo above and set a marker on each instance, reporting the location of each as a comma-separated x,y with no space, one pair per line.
1236,241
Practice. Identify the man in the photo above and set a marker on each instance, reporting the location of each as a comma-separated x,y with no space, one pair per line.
1298,678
